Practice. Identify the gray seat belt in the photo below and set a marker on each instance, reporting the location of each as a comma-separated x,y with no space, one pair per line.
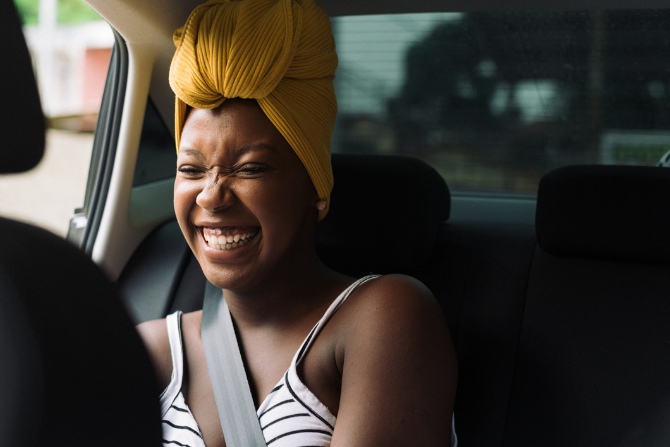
234,402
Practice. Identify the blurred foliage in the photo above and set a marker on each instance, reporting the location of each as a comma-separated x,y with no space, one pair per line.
609,71
75,11
28,10
69,11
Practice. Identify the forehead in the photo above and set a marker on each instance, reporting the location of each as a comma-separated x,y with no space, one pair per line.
234,124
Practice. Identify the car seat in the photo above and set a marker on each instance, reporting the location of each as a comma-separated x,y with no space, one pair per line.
73,369
593,361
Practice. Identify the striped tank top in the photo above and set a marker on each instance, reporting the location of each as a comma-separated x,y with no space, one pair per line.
291,415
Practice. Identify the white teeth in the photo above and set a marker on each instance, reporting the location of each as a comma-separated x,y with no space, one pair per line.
225,242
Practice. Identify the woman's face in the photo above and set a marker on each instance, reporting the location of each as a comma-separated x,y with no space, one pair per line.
243,199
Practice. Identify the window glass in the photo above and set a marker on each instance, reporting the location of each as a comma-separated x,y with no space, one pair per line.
157,155
494,100
70,46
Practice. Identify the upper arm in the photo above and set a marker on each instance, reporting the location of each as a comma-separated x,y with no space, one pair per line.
399,368
155,337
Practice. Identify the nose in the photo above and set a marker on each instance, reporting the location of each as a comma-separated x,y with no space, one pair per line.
216,194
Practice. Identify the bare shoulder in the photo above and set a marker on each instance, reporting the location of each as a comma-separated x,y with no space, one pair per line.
394,313
154,334
393,336
400,286
395,297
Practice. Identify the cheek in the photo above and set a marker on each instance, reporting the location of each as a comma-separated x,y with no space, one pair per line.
285,201
259,198
185,194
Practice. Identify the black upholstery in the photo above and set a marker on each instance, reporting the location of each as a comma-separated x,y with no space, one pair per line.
610,212
384,215
592,366
593,363
487,270
73,369
21,113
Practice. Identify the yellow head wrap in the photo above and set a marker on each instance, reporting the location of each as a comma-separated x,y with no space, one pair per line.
279,52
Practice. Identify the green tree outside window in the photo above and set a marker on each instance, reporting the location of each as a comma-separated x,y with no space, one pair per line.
69,11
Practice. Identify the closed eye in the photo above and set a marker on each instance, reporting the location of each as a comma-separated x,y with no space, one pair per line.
189,170
251,169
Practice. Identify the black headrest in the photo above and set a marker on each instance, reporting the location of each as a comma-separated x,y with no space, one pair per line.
611,212
73,367
384,215
21,118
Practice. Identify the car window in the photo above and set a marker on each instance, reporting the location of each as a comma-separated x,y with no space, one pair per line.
157,155
494,100
491,100
71,47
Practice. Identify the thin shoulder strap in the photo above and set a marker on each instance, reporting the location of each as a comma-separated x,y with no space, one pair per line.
226,371
334,306
169,394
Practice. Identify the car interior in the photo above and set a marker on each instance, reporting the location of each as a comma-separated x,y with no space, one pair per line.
74,369
557,302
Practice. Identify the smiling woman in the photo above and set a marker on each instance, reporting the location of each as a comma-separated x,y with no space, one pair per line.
238,178
330,360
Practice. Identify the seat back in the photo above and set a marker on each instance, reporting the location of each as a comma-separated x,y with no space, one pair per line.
592,366
73,371
384,216
21,116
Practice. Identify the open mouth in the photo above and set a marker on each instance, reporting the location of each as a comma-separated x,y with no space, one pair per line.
228,238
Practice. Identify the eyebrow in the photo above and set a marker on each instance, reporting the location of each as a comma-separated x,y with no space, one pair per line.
239,151
194,152
252,147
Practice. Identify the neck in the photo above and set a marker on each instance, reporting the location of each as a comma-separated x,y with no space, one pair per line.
295,291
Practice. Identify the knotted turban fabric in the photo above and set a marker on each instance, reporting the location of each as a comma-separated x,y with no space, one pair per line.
279,52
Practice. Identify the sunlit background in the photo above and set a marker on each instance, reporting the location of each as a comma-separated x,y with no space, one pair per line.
70,46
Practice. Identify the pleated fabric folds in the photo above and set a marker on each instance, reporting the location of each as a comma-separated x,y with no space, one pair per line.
278,52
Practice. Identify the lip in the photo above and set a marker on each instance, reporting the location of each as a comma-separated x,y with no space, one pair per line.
229,255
